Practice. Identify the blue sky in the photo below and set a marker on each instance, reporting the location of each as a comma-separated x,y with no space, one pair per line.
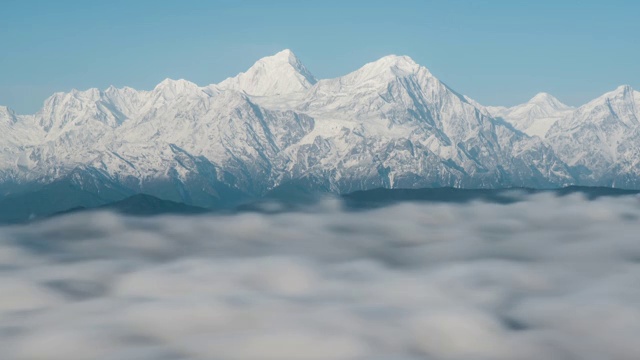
498,52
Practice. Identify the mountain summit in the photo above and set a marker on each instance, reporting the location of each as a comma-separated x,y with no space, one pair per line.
278,74
547,100
390,65
534,117
604,137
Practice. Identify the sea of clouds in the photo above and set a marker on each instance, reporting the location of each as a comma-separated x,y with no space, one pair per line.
545,278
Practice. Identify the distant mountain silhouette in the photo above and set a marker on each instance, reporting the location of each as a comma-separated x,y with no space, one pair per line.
382,197
53,198
47,203
65,199
143,205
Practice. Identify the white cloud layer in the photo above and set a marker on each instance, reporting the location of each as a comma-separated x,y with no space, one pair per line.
545,278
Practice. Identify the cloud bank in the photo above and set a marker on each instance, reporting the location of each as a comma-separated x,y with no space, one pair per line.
546,278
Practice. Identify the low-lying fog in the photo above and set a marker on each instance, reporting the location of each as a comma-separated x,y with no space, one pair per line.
546,278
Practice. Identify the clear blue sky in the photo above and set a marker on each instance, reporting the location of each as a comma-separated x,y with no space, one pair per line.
498,52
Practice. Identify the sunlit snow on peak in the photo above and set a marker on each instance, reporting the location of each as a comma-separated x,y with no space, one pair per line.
279,74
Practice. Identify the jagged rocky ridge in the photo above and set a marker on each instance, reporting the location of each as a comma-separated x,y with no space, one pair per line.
388,124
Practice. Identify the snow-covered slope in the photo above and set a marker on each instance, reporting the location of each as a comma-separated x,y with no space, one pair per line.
602,139
390,123
534,117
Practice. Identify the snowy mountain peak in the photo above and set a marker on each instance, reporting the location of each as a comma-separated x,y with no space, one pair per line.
376,76
603,135
284,55
123,91
625,93
285,58
390,65
61,100
7,115
621,94
623,89
175,85
171,89
617,105
536,116
6,111
548,102
89,94
400,61
544,97
282,73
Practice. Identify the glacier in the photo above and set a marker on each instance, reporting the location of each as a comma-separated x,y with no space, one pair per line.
389,124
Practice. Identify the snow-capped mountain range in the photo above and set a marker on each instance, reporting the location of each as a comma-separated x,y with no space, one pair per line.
390,123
